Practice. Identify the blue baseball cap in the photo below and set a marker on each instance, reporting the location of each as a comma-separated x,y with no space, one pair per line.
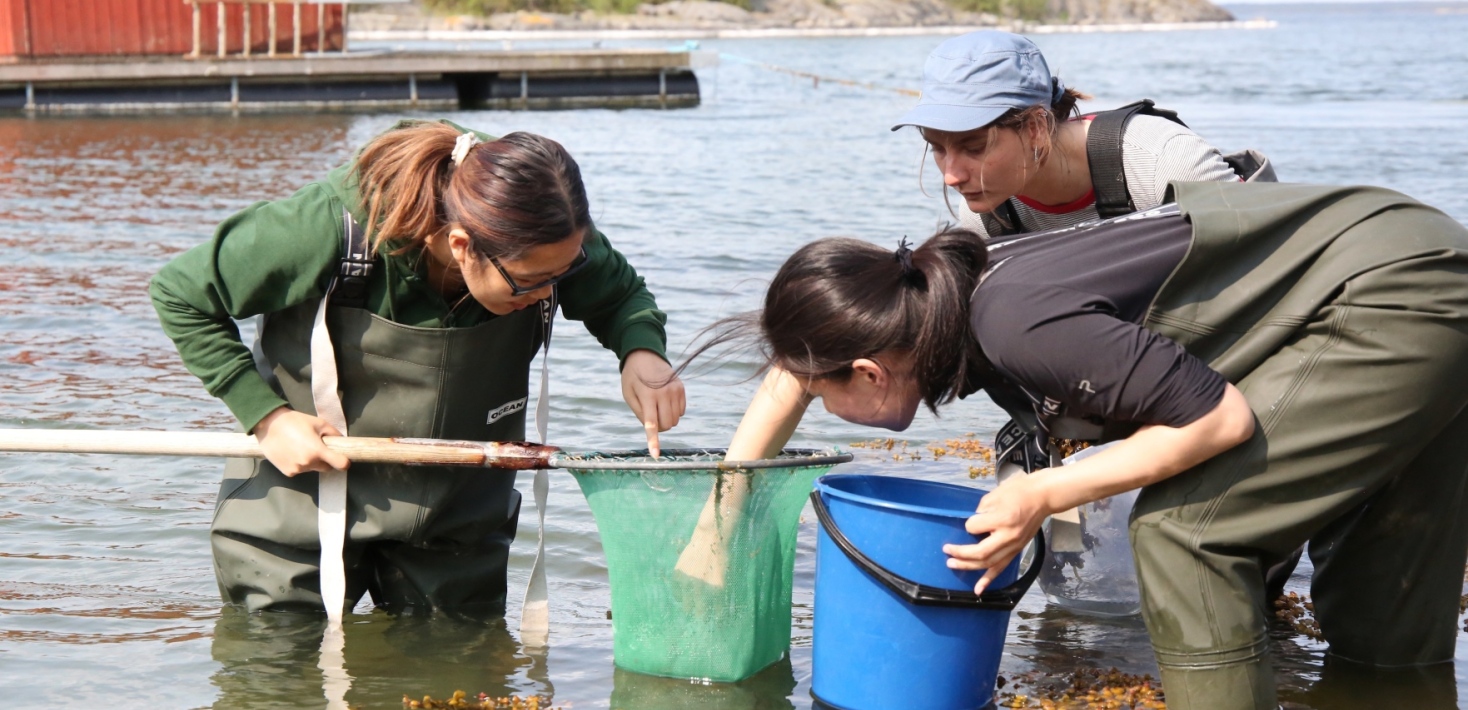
971,80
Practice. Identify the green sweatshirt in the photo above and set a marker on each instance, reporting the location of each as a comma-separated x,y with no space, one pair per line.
275,255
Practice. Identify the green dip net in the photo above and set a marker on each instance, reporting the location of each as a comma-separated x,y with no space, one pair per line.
700,555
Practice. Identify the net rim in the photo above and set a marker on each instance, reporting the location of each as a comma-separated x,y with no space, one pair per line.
787,458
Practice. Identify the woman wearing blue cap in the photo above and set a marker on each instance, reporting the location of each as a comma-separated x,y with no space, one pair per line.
995,120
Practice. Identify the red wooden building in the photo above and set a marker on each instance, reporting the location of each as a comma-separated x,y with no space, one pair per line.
120,56
42,29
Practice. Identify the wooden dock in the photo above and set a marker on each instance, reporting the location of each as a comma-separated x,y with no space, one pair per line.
545,79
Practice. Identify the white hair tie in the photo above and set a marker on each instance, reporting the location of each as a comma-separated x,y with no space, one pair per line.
462,144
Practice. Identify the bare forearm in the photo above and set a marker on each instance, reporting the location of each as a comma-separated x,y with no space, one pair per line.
771,418
1150,455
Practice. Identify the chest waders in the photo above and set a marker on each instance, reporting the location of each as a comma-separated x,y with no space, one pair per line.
1027,443
1341,314
415,536
1023,444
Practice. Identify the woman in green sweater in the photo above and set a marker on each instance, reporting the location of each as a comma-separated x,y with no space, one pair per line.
410,290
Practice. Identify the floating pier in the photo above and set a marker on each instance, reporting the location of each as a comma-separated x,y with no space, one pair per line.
356,80
272,55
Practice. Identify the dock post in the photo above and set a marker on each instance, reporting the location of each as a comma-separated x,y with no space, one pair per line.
30,96
195,53
273,29
524,90
234,93
245,32
413,89
663,87
296,27
223,39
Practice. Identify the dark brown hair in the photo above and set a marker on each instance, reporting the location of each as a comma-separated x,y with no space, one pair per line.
509,195
837,300
1050,117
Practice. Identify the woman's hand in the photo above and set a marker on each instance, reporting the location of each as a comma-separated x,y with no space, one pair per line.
292,441
653,393
1014,511
1010,514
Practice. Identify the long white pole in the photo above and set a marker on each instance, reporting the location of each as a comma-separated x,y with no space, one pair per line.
488,454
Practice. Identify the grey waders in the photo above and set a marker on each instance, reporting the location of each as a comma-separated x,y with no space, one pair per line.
417,536
1342,315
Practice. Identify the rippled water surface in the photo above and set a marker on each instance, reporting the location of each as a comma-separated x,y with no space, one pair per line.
106,589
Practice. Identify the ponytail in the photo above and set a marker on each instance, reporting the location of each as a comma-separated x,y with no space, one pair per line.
1066,106
944,349
509,195
401,175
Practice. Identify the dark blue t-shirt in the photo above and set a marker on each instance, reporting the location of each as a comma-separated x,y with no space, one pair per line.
1059,314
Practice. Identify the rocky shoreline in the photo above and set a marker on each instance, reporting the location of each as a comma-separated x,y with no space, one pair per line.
786,14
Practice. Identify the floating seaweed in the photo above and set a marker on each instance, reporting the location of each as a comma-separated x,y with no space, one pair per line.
966,447
461,701
1084,689
1298,612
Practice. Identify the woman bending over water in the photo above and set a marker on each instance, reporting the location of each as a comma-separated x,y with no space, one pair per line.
426,272
1007,137
1278,364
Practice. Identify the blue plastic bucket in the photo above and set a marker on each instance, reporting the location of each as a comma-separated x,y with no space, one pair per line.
894,627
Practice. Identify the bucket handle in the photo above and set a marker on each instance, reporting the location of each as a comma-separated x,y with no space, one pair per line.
921,594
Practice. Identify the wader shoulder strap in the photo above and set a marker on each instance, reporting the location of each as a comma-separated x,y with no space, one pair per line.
1004,220
1104,153
331,513
535,609
349,285
348,288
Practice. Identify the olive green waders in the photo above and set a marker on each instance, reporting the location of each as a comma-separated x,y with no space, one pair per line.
1342,315
416,536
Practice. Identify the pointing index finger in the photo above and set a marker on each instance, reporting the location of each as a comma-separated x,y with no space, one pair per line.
652,438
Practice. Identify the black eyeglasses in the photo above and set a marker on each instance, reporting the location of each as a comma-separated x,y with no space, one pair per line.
518,290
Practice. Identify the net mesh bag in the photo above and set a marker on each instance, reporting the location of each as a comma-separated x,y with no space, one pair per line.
700,555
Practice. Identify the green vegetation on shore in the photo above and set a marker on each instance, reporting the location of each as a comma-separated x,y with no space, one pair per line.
490,7
1015,9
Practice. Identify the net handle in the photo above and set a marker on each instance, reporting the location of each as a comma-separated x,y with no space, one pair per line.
607,460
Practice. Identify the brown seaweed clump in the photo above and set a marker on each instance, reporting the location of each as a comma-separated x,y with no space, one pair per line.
1069,447
1299,612
461,701
897,448
967,447
1085,689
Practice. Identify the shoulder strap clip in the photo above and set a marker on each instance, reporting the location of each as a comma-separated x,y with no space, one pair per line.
354,271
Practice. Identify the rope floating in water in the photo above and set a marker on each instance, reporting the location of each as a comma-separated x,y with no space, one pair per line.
816,79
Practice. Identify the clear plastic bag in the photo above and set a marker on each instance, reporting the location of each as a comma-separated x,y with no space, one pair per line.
1089,567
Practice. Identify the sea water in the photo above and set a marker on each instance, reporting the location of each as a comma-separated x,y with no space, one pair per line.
107,594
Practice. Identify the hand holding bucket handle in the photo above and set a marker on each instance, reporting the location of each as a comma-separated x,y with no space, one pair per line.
994,599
